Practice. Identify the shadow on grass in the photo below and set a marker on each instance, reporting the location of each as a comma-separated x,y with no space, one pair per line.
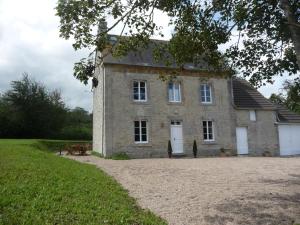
260,209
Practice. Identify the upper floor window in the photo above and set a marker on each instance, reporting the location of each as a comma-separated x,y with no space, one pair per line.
206,96
140,131
208,130
140,91
252,115
174,92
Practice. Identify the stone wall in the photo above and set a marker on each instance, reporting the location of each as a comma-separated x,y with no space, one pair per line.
120,112
98,109
262,133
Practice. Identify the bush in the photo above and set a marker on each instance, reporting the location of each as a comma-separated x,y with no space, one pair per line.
97,154
119,156
195,150
226,152
267,154
170,150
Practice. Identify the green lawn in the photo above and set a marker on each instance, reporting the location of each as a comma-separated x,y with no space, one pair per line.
38,187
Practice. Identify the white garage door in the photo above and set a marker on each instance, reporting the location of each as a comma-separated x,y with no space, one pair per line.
289,139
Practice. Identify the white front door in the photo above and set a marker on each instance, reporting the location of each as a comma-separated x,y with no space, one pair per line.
289,139
242,140
176,137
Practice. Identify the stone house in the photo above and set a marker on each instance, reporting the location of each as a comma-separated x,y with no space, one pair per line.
135,112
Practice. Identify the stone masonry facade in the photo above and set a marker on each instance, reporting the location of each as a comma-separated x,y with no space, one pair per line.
115,112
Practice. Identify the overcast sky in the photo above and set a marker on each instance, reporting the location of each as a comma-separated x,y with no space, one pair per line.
30,42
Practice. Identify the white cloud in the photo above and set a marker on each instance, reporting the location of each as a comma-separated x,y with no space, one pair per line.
30,42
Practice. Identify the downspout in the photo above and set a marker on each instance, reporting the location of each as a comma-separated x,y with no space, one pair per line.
234,115
103,109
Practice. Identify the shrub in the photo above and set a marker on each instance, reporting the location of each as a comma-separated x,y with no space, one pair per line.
195,150
226,152
170,150
119,156
222,150
267,154
97,154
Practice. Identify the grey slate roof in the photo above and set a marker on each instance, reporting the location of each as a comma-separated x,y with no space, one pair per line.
286,116
247,97
144,57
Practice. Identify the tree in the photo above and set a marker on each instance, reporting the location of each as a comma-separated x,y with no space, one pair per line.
29,110
78,115
291,98
278,98
78,125
262,36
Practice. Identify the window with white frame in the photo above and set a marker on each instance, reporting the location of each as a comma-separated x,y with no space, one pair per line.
252,115
140,91
174,92
206,96
140,131
208,130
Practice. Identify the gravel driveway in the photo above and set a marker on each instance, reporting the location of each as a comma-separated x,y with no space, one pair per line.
206,191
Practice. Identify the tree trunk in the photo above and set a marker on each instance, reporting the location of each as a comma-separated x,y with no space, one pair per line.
294,27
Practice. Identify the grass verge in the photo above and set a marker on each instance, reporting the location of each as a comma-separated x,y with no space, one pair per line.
38,187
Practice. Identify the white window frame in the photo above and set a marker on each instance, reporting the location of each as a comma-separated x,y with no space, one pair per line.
139,91
207,135
252,115
140,132
173,92
206,96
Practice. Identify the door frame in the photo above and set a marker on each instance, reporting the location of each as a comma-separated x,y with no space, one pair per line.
171,138
247,143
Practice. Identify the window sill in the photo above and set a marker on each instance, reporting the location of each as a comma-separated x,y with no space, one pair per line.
138,144
140,102
175,103
209,142
207,104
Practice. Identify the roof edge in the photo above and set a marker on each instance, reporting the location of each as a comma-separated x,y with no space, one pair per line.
224,73
254,108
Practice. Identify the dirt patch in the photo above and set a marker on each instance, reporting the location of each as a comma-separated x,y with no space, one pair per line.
208,191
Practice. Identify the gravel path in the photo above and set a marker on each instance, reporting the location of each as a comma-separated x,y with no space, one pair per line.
210,191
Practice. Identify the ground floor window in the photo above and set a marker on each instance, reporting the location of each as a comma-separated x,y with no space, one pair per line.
140,131
208,130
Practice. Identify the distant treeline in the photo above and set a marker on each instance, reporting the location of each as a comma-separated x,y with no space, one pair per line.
30,110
